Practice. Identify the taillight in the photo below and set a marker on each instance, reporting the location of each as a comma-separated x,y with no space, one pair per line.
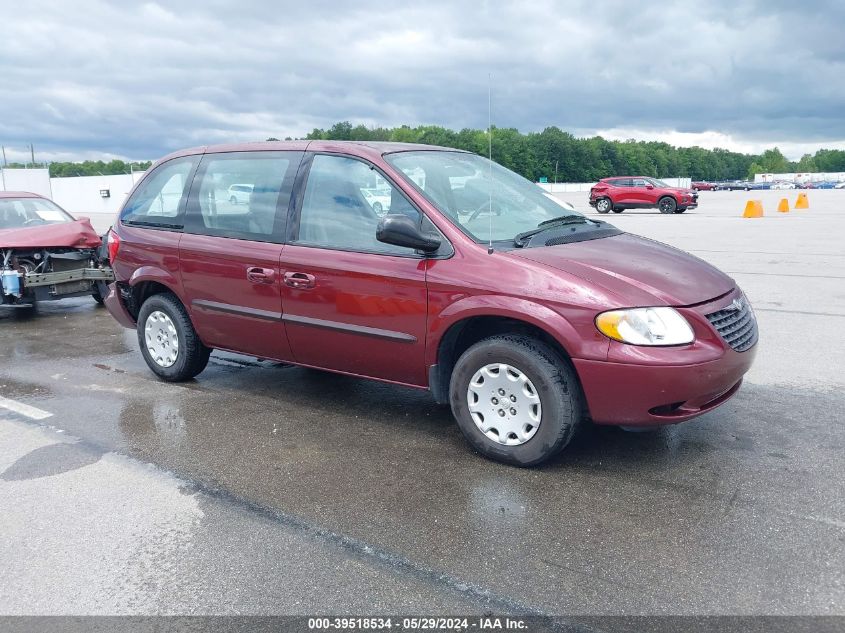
114,245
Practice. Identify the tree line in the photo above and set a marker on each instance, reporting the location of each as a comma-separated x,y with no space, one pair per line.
552,154
559,156
87,168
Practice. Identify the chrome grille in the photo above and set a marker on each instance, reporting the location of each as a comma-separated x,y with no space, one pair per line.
736,325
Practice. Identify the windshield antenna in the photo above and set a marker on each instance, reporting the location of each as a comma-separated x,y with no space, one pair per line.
490,155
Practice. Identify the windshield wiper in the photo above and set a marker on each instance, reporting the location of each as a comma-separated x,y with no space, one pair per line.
563,220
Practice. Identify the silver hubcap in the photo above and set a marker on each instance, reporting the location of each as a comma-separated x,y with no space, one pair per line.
604,205
504,404
161,337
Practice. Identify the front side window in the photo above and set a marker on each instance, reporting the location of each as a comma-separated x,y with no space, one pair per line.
18,213
343,203
239,195
158,200
482,198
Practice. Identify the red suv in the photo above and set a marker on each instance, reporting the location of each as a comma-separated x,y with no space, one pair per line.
640,192
524,316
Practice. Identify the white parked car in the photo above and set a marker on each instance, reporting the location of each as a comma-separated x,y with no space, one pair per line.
378,199
839,185
784,185
239,194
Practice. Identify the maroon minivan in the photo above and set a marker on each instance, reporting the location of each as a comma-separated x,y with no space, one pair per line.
382,260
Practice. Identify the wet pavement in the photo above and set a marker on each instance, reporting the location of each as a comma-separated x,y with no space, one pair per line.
265,488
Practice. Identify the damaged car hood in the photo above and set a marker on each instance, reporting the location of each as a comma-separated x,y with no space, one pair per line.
76,234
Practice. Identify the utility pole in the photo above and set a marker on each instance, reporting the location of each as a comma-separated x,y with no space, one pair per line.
556,162
5,164
32,154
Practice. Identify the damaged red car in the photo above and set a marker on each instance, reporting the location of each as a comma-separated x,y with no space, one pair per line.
46,254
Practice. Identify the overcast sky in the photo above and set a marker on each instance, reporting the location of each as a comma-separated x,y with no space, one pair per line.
88,79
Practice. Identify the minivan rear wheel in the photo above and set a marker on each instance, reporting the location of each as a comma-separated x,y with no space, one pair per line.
515,400
169,344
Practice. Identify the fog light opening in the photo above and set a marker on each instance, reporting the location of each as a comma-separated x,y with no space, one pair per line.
666,409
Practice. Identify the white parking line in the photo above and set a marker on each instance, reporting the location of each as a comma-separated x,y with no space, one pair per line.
31,412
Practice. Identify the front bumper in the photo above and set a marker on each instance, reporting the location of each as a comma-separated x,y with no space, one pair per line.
650,386
643,395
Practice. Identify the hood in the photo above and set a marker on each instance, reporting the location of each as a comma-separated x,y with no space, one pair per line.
76,234
639,271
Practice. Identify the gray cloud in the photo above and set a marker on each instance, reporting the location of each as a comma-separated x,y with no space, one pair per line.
91,78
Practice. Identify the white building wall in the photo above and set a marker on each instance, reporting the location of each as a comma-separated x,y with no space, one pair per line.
31,180
802,177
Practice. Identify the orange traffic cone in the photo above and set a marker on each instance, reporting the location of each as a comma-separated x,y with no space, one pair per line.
753,209
783,207
802,202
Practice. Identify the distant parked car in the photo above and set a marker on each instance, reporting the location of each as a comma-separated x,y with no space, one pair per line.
239,194
807,185
701,185
825,185
783,184
640,192
734,185
378,199
840,185
759,185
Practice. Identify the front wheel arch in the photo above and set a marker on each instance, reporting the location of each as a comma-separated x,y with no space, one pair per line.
465,333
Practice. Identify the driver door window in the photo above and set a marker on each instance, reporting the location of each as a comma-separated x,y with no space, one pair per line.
341,211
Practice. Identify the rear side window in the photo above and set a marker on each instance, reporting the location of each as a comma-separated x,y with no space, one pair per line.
242,195
158,201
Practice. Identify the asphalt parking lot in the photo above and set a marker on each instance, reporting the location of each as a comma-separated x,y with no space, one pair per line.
263,488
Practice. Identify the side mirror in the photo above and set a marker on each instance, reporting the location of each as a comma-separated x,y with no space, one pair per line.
400,230
649,186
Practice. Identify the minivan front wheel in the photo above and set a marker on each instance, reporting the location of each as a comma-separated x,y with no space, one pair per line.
514,400
169,344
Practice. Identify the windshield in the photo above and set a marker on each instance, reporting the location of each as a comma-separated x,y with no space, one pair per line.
459,185
18,213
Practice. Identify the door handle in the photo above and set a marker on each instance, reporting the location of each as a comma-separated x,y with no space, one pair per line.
300,280
258,275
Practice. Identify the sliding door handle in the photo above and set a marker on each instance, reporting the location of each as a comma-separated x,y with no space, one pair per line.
300,280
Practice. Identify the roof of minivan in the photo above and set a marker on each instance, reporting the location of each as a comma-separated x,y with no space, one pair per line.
366,149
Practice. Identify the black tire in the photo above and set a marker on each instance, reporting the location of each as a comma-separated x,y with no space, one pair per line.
556,384
618,210
377,208
99,291
233,200
667,204
192,355
604,205
680,210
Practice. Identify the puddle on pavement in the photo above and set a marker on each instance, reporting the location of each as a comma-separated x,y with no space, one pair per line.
11,388
51,460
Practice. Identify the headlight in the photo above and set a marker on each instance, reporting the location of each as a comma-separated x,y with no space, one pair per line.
646,326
